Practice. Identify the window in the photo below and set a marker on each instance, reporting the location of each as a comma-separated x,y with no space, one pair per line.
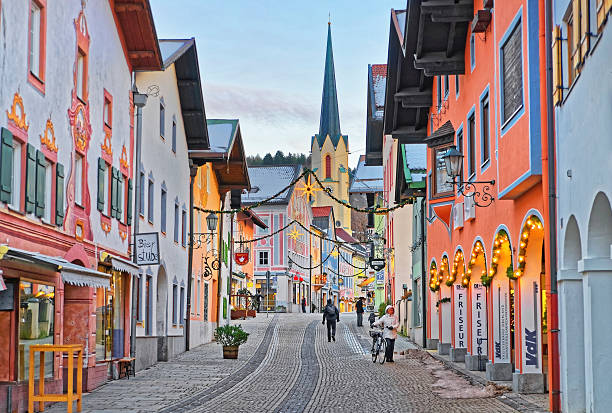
174,304
78,179
327,167
164,196
120,180
442,185
263,257
174,136
471,146
473,51
197,300
48,192
446,86
36,56
205,302
148,305
36,324
571,45
81,75
512,74
485,142
439,92
107,112
184,232
107,186
162,120
181,314
141,195
262,231
151,193
137,282
460,149
176,223
456,85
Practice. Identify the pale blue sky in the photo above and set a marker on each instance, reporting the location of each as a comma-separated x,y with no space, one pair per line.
262,61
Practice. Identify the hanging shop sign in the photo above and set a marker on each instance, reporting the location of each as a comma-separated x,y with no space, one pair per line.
241,258
380,277
479,320
460,302
377,263
147,248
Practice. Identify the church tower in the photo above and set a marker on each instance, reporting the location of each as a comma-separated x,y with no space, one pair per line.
329,148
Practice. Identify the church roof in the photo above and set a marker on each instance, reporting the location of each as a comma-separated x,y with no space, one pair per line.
330,118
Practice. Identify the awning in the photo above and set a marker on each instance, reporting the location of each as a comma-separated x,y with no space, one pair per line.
71,273
120,264
366,282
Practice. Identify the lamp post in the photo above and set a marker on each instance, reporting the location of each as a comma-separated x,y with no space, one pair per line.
453,161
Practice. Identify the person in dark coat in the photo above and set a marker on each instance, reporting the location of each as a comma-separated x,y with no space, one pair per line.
303,304
258,298
372,319
332,315
359,307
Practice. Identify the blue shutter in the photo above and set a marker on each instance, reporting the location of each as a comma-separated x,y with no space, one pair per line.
6,166
59,195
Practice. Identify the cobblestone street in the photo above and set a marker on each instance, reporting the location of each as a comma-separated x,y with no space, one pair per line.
288,366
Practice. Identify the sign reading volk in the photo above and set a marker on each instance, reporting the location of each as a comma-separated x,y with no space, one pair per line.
147,248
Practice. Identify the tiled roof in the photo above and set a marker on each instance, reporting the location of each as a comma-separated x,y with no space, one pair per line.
344,236
322,211
268,180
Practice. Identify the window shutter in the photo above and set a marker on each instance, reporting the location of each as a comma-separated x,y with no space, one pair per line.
576,33
600,10
30,195
119,193
6,166
41,164
584,29
101,183
114,193
59,195
129,203
557,69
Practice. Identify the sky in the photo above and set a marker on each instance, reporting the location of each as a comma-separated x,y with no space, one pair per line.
262,61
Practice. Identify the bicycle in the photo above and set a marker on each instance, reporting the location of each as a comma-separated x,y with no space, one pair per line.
379,346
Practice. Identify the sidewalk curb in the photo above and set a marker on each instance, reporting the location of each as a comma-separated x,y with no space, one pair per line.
509,398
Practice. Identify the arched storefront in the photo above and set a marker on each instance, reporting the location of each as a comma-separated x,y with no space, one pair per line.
433,332
459,308
476,356
444,307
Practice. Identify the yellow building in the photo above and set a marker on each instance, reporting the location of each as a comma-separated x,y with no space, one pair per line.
329,148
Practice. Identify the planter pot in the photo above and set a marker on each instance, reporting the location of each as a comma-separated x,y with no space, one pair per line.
230,352
251,313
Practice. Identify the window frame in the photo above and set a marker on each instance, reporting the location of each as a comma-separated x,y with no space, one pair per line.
485,130
150,200
162,119
472,51
38,79
81,89
434,193
163,222
141,193
184,227
459,144
78,176
260,256
328,166
512,118
176,222
471,144
174,134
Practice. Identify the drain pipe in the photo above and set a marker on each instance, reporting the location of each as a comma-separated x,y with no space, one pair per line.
423,275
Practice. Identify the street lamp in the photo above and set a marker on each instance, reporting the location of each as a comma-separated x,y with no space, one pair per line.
453,161
211,222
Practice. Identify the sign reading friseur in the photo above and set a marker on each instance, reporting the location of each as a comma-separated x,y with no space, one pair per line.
147,248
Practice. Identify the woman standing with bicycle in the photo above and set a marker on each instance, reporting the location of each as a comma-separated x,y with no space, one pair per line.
389,322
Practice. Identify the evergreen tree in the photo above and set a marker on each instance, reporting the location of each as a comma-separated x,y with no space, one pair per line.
268,160
279,158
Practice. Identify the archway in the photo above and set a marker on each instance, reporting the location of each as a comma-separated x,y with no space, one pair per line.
477,305
433,331
161,314
600,228
444,307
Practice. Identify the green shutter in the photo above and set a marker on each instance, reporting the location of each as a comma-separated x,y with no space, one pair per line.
114,192
119,194
101,170
6,166
59,195
30,195
129,203
41,164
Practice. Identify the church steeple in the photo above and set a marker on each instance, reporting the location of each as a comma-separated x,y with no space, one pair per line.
330,119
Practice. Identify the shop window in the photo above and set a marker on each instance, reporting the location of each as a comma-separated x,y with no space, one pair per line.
176,223
78,179
485,139
182,308
205,314
512,74
36,324
151,193
471,146
164,196
441,181
174,304
263,258
36,56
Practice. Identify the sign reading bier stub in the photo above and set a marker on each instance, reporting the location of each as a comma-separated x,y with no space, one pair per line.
147,248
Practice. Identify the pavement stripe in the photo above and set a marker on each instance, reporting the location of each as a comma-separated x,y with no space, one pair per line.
227,383
302,390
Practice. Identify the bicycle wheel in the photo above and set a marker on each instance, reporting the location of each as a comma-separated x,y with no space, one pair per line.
381,351
374,352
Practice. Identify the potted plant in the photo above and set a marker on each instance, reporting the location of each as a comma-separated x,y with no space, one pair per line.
231,337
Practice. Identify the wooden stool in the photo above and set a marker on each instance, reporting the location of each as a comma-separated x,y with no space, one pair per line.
69,397
126,367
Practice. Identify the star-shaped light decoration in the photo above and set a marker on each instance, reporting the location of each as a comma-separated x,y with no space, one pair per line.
309,188
334,253
295,234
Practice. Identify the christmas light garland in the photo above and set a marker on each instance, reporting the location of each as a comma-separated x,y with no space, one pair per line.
477,251
500,239
531,224
434,282
450,280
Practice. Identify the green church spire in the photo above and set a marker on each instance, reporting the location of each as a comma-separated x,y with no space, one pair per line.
330,119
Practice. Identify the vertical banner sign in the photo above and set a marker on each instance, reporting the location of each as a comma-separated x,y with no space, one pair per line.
147,248
501,320
445,310
460,301
479,320
380,277
434,328
531,326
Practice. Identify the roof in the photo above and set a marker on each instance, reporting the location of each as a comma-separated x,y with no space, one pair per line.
183,54
345,236
367,178
377,81
135,20
411,174
330,118
226,153
268,180
443,135
253,217
322,211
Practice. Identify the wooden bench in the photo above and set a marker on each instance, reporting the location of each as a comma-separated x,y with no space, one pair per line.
126,367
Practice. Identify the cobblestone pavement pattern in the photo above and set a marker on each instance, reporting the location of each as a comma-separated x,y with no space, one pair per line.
288,366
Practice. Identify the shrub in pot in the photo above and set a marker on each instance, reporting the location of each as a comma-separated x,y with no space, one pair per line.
231,337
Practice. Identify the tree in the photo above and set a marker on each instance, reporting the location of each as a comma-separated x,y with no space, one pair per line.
268,160
279,158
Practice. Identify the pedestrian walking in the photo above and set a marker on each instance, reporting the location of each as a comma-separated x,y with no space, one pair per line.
303,304
389,322
258,298
332,316
359,307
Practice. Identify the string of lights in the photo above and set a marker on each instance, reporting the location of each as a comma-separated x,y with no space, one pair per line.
247,241
346,276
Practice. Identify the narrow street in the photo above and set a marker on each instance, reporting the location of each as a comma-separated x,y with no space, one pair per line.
287,365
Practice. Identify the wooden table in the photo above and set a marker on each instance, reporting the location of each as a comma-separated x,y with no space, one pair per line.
69,397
